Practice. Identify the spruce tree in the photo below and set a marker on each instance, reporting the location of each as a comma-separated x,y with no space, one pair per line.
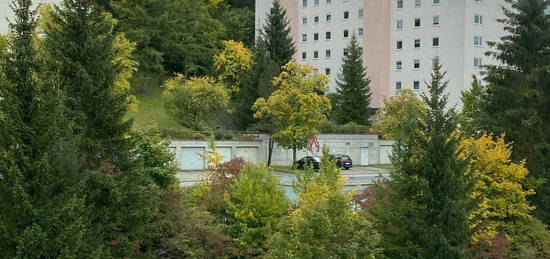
470,118
92,62
517,102
353,94
276,34
425,215
42,215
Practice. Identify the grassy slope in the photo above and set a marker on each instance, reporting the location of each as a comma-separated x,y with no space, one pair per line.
151,110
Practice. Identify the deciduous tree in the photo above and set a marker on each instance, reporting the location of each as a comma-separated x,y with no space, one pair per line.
194,102
324,225
399,119
232,64
297,108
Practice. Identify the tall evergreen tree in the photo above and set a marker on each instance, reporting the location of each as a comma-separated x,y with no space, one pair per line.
518,97
428,189
470,118
276,34
353,94
41,212
93,64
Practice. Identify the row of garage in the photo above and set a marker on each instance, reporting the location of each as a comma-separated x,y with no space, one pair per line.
191,158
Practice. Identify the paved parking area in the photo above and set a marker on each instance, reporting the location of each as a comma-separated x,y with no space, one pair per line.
355,175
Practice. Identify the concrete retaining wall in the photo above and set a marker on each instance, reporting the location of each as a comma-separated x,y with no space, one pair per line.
363,150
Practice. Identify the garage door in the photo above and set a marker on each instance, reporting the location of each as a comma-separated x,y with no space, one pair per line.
364,156
191,158
385,153
250,154
225,152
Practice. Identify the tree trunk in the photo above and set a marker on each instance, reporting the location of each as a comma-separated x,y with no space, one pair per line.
270,150
293,158
143,84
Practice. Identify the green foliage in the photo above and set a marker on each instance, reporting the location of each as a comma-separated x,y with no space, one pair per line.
154,157
324,225
276,35
296,107
255,203
518,98
239,25
353,95
470,119
3,44
425,212
92,64
194,102
400,117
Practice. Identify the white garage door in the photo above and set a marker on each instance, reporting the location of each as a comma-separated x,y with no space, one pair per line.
364,156
385,153
225,152
250,154
191,158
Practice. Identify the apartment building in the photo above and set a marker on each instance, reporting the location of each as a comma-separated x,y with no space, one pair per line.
6,12
399,37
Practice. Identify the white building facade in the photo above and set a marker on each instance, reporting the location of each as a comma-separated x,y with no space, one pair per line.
399,38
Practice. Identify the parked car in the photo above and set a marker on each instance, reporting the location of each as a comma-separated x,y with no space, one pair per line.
309,161
343,161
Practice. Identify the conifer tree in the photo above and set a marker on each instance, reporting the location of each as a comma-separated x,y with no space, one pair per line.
518,97
276,34
41,212
92,62
353,94
470,118
426,212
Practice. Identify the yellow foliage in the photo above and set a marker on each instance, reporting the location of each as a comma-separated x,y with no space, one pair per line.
296,107
400,115
498,186
232,63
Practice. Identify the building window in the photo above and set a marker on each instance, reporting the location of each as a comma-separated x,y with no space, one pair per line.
329,1
478,1
398,85
304,37
400,4
346,52
346,15
304,20
316,36
435,2
346,33
316,2
304,3
477,62
361,13
398,65
435,42
399,44
327,53
478,19
328,18
417,43
417,22
416,85
399,25
416,63
316,54
315,71
360,31
435,20
417,3
316,19
478,41
304,55
327,35
327,71
361,50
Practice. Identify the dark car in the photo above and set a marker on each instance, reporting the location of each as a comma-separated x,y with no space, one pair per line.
309,161
343,161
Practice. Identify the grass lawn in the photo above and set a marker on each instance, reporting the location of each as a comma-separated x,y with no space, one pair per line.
151,110
282,168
